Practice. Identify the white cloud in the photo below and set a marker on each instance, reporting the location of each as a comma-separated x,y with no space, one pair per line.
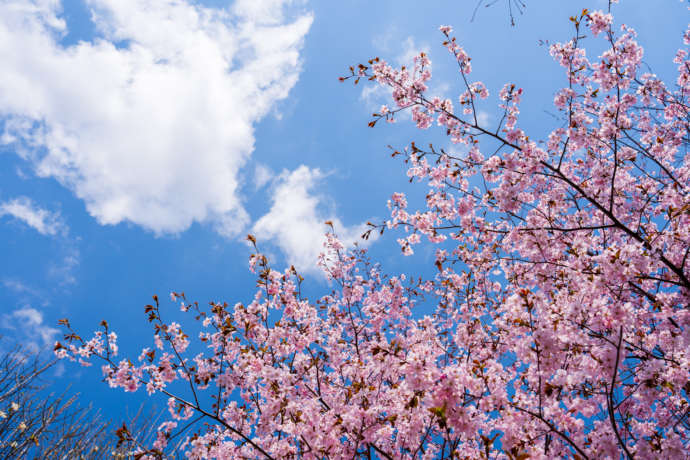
410,49
46,223
296,220
262,175
24,292
43,221
64,268
28,328
375,95
17,286
151,122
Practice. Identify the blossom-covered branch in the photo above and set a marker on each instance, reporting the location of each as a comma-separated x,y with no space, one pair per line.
556,325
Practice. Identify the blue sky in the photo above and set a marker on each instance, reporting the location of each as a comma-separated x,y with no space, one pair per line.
141,140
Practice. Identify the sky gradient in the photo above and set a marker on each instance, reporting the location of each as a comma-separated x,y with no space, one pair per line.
141,140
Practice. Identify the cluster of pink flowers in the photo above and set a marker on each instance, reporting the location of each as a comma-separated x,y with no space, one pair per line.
557,326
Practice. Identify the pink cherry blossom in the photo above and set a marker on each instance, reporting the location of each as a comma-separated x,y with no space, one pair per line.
557,324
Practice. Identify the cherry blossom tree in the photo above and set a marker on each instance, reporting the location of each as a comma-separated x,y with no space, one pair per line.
557,325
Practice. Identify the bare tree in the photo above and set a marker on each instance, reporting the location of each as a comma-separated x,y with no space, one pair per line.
36,423
514,7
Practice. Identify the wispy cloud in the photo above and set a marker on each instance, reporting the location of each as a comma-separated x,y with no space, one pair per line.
262,175
48,223
63,269
43,221
24,292
28,328
151,122
410,48
296,221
